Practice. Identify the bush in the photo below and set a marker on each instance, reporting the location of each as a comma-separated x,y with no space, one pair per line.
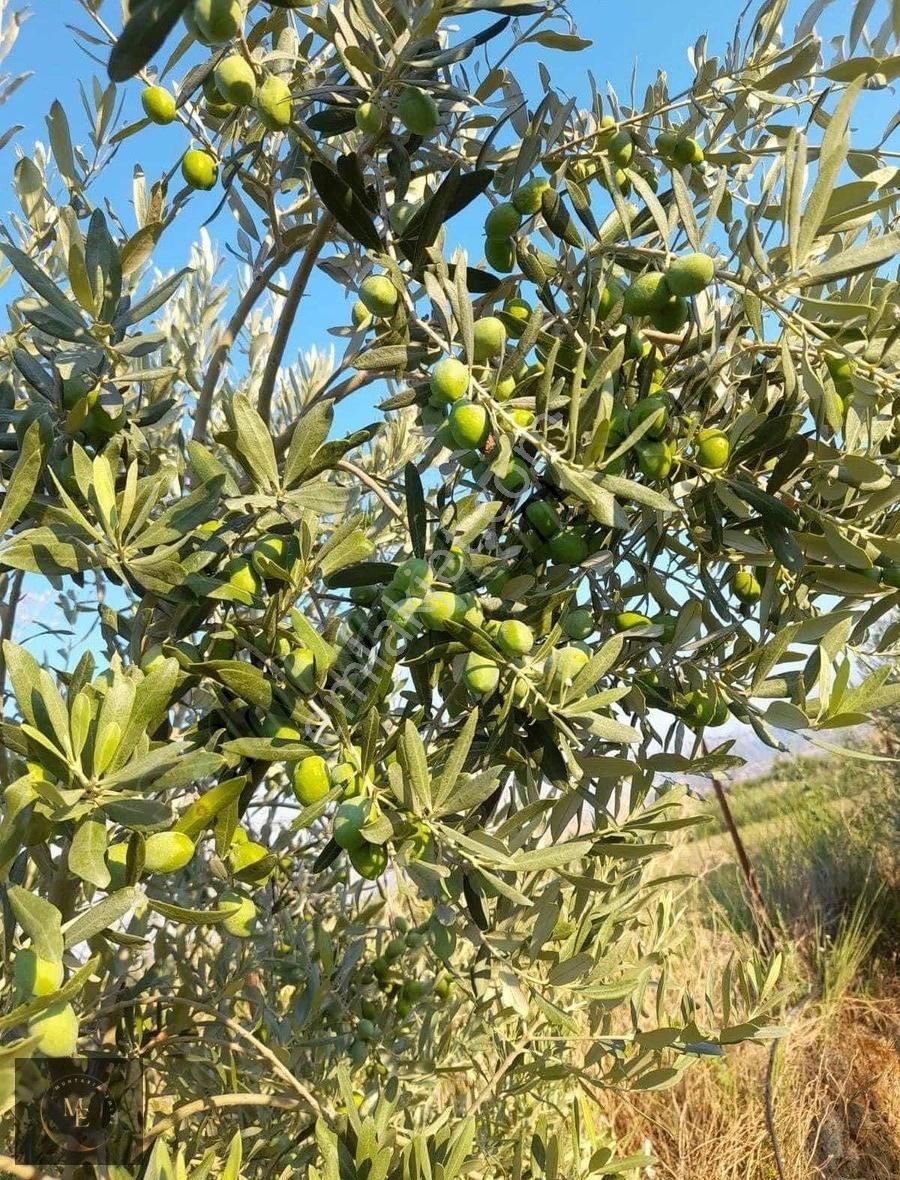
429,966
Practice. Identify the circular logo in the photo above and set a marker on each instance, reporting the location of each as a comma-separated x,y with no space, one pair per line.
76,1112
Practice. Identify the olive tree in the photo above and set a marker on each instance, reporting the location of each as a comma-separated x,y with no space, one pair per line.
346,818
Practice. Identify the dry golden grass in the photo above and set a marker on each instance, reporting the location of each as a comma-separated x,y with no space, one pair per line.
835,1098
835,1079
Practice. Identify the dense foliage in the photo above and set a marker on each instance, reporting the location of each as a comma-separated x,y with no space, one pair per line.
345,817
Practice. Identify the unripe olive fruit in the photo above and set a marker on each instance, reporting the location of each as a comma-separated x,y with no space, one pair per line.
481,675
199,169
646,294
690,274
610,295
502,221
449,380
274,103
351,816
500,254
310,779
56,1029
654,408
543,518
627,620
516,479
665,144
621,149
615,466
622,181
401,214
417,111
241,923
469,424
449,564
700,708
522,417
159,105
241,575
369,860
360,315
527,199
520,311
404,614
357,1054
515,638
394,949
278,729
370,118
568,548
505,388
713,448
192,27
35,976
366,1030
440,607
578,623
672,316
564,664
414,576
218,20
245,854
167,852
668,625
235,80
746,587
300,669
687,151
490,338
655,459
838,366
379,296
619,427
636,346
276,548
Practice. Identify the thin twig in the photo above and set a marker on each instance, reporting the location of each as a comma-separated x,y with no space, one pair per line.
764,926
7,623
289,314
371,484
323,394
242,1033
235,324
215,1101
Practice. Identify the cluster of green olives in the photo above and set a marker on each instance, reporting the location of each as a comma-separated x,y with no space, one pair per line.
656,451
662,296
400,982
415,108
699,708
234,82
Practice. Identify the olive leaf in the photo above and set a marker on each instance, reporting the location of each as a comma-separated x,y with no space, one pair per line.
144,35
345,205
